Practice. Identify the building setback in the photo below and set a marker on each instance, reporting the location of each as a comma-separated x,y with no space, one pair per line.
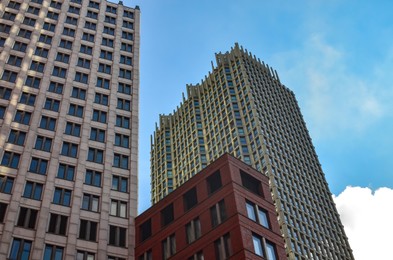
224,212
242,108
69,93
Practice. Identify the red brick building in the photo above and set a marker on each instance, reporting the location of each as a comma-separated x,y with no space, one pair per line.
225,211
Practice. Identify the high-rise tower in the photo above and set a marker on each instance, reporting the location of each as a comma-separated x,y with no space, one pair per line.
242,108
69,93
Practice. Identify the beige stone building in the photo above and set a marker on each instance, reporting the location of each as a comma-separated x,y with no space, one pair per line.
69,94
242,108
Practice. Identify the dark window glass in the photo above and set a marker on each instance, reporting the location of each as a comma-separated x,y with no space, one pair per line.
33,190
190,199
213,182
167,215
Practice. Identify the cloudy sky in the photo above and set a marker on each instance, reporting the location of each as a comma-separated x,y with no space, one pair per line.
337,57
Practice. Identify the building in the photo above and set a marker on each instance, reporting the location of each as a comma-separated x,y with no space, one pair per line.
69,91
242,108
224,212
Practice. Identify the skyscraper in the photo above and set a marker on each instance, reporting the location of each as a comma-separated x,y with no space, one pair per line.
242,108
69,91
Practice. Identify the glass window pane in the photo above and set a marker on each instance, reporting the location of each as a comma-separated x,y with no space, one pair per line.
257,245
251,211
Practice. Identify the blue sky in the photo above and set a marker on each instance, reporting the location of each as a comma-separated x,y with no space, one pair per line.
337,57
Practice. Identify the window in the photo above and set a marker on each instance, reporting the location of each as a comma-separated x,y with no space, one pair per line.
99,116
72,20
78,93
190,199
29,21
17,137
128,14
83,255
101,99
110,19
2,41
148,255
42,52
193,230
126,47
119,183
52,104
22,117
48,123
111,9
77,1
10,159
127,35
66,172
168,247
257,214
270,250
92,14
122,121
218,213
37,1
88,230
65,44
81,77
33,82
86,49
5,93
19,46
75,110
128,24
55,4
37,66
213,182
88,37
49,26
22,32
9,76
33,10
3,209
6,184
93,178
109,30
9,16
56,87
73,9
4,28
62,197
33,190
84,63
115,258
122,140
97,135
250,183
2,111
120,161
14,5
20,249
38,165
103,83
58,224
14,60
104,68
90,202
52,15
167,215
69,149
145,230
124,88
126,74
197,256
27,98
123,104
59,72
27,218
45,39
260,244
222,247
53,252
62,57
94,5
117,236
125,60
43,143
90,25
73,129
118,208
106,55
95,155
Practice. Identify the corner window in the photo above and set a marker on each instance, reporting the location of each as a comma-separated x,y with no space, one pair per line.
213,182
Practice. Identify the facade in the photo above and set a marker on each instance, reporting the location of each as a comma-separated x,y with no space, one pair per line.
224,212
69,91
242,108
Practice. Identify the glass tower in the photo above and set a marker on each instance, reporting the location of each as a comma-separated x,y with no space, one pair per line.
242,108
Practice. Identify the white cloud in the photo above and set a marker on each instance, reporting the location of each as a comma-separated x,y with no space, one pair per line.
367,219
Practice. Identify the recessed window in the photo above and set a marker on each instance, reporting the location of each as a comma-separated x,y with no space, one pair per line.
90,25
123,121
93,178
128,14
48,123
126,47
111,9
119,183
42,52
14,60
29,21
65,44
108,55
38,165
107,42
109,30
6,184
120,161
86,49
33,190
110,19
99,116
101,99
45,39
37,66
75,110
218,213
190,199
257,214
17,137
5,93
93,4
84,63
124,88
56,87
145,230
43,143
69,149
103,83
20,247
57,224
52,104
88,230
128,24
125,60
126,74
73,129
167,215
118,208
73,9
90,202
10,159
78,93
53,252
3,209
49,26
250,183
92,14
222,247
62,197
193,230
81,77
9,76
66,172
72,20
27,218
97,134
117,236
124,104
27,99
52,15
168,247
62,57
59,72
95,155
127,35
83,255
104,68
213,182
122,140
32,82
